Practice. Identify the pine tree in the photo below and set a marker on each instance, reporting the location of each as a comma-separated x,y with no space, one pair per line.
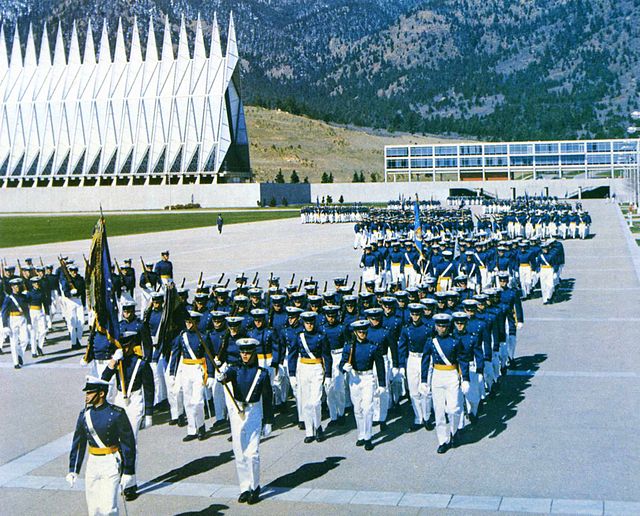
279,176
294,177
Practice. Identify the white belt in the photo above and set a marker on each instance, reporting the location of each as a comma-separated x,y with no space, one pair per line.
363,373
415,354
336,352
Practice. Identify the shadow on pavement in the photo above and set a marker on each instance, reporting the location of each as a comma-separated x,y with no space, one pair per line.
564,291
305,473
68,353
495,412
212,510
195,467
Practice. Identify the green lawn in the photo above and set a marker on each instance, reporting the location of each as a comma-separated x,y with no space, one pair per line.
17,231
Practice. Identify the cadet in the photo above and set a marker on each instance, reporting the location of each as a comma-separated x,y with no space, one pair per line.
446,354
310,356
189,368
158,364
252,392
73,289
336,393
269,351
164,268
473,351
148,284
107,431
289,336
358,360
128,278
377,334
37,302
15,320
98,354
515,316
219,337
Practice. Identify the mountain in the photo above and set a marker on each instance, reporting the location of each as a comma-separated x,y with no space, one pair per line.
493,69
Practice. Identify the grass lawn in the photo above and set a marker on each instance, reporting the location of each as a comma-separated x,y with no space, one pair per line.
17,231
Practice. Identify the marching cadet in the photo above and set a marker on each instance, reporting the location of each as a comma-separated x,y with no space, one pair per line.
362,361
515,315
377,334
309,362
477,326
473,352
128,278
99,352
223,303
15,321
219,337
189,368
148,284
269,351
53,287
38,332
489,319
164,268
289,336
73,291
336,393
158,363
252,392
444,271
526,261
547,262
446,354
112,449
393,324
395,258
414,337
411,264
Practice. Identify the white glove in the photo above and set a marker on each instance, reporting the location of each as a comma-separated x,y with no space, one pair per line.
327,383
210,383
394,371
403,373
73,292
379,390
347,368
83,362
220,376
118,354
71,479
148,421
217,362
125,480
6,332
465,386
423,389
519,325
266,430
223,368
480,378
148,285
294,382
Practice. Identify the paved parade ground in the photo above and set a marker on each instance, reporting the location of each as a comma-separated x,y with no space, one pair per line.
561,436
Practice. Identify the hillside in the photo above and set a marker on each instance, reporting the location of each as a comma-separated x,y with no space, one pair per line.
282,141
494,69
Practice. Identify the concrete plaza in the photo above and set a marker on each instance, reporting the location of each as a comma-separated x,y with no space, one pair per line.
560,437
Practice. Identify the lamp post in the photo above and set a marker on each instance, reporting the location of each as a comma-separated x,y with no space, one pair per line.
634,172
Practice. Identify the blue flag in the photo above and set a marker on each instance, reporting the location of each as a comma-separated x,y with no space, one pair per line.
417,226
101,294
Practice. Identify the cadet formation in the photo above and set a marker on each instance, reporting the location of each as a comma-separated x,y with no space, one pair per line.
433,319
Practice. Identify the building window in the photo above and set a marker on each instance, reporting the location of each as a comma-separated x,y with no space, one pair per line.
624,159
546,148
447,150
422,151
572,159
598,146
474,150
496,162
598,159
547,160
470,162
625,146
495,149
397,152
397,163
422,163
446,162
521,161
569,147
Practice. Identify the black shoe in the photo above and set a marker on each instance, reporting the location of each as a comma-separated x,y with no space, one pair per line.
368,445
20,361
360,442
189,437
182,420
319,434
443,448
75,346
342,420
173,422
383,426
207,415
300,425
131,493
34,355
454,441
376,423
332,423
219,423
255,496
430,424
309,439
244,497
201,433
17,366
40,352
414,427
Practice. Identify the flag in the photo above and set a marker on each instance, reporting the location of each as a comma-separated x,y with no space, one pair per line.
417,226
101,296
170,319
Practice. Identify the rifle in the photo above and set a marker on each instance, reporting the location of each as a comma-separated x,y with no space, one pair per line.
227,283
299,285
360,285
2,271
41,262
87,267
221,278
182,284
65,271
346,279
19,269
145,272
353,285
254,279
199,280
118,267
325,287
270,277
293,277
213,362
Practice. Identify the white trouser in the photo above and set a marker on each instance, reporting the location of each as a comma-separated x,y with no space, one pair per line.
18,336
489,376
102,479
395,273
160,387
219,403
410,276
145,299
74,316
504,354
369,274
336,392
296,395
447,401
97,368
484,277
134,408
381,401
190,379
310,380
276,381
572,229
395,384
38,329
511,346
54,308
245,433
175,395
472,398
546,282
362,387
421,404
525,279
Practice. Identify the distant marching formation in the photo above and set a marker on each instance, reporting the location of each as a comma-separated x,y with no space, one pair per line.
434,317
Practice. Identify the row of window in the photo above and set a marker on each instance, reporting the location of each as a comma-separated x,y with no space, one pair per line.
516,161
513,148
